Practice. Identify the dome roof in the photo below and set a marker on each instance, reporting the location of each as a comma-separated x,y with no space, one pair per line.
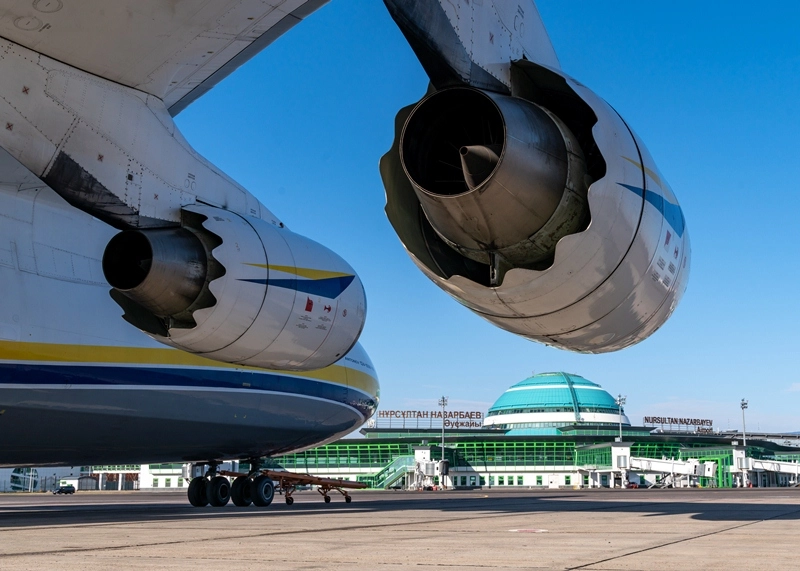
554,399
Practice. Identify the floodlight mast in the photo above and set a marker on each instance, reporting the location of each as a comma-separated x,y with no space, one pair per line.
744,433
443,404
620,402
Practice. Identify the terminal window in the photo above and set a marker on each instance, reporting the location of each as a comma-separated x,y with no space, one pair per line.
180,482
491,480
501,480
511,480
586,479
167,482
538,480
567,480
155,482
519,480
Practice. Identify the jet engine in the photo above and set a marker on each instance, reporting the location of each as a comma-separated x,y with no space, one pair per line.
237,289
540,210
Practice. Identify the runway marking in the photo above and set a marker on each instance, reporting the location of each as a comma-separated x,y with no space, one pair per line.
528,530
684,540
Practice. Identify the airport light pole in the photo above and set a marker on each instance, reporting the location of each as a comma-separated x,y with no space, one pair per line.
443,404
744,434
620,403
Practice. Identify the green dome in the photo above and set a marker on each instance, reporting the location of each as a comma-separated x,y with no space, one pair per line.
557,393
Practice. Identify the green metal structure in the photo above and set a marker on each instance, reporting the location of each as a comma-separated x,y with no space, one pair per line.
387,454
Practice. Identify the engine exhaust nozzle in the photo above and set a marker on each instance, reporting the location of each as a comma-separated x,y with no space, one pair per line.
495,175
162,270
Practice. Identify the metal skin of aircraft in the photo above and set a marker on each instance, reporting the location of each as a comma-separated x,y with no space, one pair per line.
521,193
152,309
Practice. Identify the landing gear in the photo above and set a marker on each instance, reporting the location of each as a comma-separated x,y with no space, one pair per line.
262,490
209,489
241,492
218,491
258,486
197,492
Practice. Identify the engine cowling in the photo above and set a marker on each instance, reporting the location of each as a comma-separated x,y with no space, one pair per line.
541,211
237,289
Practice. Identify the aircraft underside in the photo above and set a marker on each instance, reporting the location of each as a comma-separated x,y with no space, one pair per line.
146,426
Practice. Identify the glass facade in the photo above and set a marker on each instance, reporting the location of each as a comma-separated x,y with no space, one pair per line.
363,454
520,454
388,455
594,457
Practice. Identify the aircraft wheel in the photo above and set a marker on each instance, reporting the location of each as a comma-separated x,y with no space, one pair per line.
240,492
218,491
289,500
347,499
327,499
263,491
197,492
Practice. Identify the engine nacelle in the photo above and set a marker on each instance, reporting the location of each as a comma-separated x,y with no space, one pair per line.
540,211
237,289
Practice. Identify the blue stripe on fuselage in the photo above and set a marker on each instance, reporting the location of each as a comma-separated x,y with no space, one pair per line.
672,213
330,288
199,379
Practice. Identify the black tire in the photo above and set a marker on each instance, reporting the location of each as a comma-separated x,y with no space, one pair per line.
218,491
197,492
289,500
347,499
327,499
240,492
262,491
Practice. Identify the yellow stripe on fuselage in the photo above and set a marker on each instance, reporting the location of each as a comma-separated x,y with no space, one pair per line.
141,356
309,273
647,170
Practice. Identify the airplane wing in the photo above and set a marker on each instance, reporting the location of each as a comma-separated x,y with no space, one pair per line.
473,43
174,49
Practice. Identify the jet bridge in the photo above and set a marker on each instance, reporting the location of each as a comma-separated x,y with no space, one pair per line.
779,467
763,472
690,467
676,473
619,468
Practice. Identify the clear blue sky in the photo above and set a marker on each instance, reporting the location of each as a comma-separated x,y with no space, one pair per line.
713,88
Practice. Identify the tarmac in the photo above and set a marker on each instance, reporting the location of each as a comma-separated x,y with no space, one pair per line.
388,531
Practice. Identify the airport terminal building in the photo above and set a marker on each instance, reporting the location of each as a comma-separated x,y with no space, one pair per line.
551,430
